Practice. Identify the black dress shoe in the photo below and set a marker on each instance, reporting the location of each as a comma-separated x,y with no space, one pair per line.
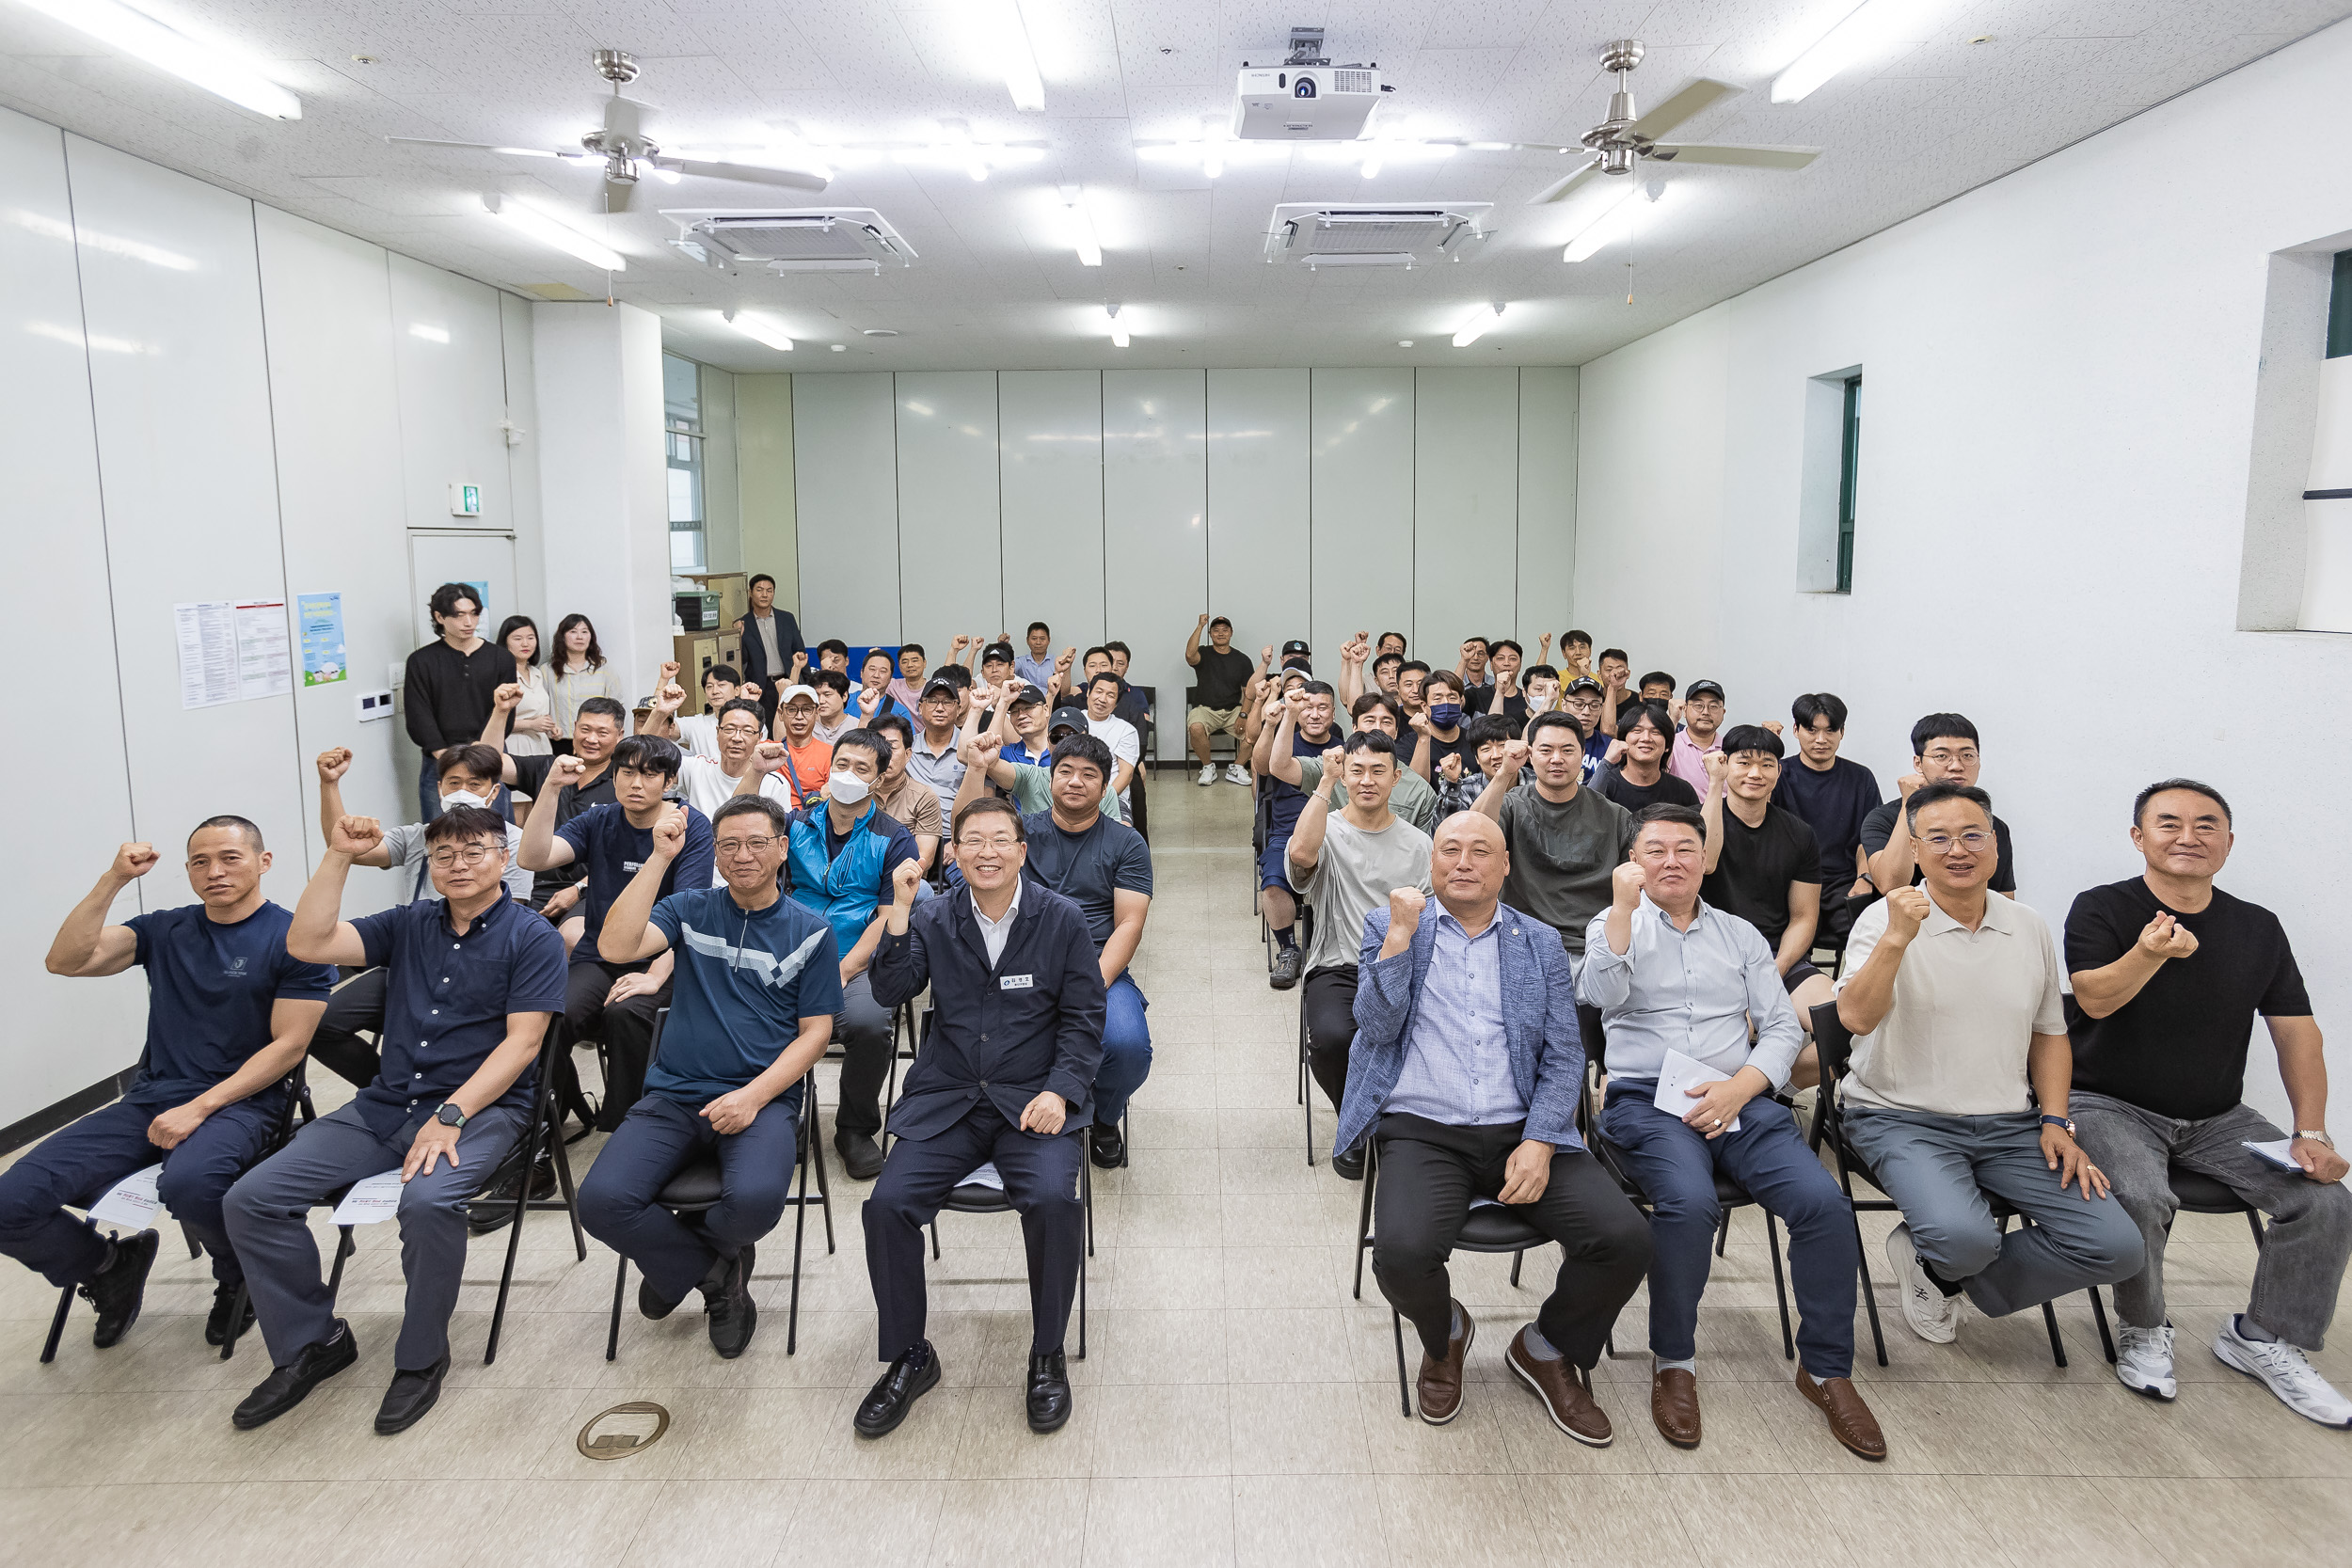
409,1397
118,1288
860,1155
894,1394
220,1326
1349,1165
732,1312
1049,1392
652,1303
1110,1146
290,1384
493,1210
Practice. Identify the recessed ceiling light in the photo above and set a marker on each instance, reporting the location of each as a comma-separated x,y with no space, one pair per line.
1404,343
1001,30
364,59
1981,38
141,37
880,331
839,348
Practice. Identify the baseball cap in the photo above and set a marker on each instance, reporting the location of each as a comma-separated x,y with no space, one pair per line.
786,696
939,686
1696,688
997,653
1586,683
1069,718
1023,695
1297,645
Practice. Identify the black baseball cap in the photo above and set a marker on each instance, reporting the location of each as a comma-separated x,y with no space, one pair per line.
937,684
1023,695
1586,683
1295,645
997,653
1069,717
1696,688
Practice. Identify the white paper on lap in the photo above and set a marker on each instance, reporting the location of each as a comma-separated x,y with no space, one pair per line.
130,1202
2276,1153
987,1176
1678,1073
370,1200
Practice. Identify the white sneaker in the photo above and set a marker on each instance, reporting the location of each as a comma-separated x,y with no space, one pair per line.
2143,1360
1236,773
1208,774
2290,1376
1932,1315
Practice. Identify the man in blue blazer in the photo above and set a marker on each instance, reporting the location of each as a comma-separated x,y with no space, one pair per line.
1006,1076
1465,1074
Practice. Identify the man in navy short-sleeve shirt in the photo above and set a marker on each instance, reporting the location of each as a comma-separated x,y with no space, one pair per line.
228,1015
473,979
759,980
608,999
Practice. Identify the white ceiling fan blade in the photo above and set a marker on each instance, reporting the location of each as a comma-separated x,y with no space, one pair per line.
1681,107
478,146
1560,188
1745,157
625,117
757,174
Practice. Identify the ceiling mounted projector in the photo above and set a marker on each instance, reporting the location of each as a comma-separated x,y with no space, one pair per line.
1306,98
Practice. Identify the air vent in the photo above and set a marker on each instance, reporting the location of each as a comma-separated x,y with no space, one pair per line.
806,239
1365,234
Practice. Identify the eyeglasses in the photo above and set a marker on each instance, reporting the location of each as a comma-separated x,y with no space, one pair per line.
743,846
472,854
1972,841
1002,843
740,731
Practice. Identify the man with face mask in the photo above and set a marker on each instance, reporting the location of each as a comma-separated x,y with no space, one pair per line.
842,852
1439,726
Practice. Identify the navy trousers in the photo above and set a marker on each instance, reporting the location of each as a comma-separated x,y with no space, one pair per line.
1676,1165
660,1137
1041,1181
77,1164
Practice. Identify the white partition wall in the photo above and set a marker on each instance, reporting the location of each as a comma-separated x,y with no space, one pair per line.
1360,464
1155,524
844,438
1466,509
950,572
1050,479
1547,498
1259,551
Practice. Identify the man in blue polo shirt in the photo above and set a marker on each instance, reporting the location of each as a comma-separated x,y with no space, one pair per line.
758,981
610,998
228,1014
473,978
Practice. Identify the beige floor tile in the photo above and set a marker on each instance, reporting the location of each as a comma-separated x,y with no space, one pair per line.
1297,1429
1480,1518
1162,1429
1310,1521
1611,1519
1181,1521
562,1524
1009,1523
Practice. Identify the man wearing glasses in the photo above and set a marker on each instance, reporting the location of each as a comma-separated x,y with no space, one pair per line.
707,785
759,980
1944,750
1962,1071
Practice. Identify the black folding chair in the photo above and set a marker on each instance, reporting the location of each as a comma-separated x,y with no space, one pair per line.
1192,700
695,1188
545,1124
975,1197
2193,1193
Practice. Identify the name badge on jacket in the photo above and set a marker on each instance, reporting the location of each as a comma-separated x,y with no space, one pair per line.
1016,982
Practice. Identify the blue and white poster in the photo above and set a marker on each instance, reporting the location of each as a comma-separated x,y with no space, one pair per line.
321,619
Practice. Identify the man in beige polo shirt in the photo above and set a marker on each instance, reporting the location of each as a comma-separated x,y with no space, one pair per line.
1961,1071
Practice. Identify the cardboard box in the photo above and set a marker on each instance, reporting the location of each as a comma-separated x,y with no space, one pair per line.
695,653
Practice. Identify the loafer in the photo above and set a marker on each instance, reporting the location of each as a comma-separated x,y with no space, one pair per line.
290,1384
409,1397
1674,1404
895,1392
1049,1392
1109,1146
731,1313
230,1316
1850,1419
120,1288
860,1155
1349,1165
1566,1401
1439,1391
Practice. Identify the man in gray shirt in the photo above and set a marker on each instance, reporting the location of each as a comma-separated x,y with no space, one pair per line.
1673,975
1564,840
933,758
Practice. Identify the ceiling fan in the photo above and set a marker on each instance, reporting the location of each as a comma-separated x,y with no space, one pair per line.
628,151
1621,141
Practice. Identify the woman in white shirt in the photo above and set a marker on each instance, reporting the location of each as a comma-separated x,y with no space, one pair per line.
580,673
530,729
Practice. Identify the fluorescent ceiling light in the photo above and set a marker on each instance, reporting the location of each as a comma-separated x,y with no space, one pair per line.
1001,31
1119,329
1859,31
143,37
760,330
1476,328
430,334
1611,223
1082,238
548,232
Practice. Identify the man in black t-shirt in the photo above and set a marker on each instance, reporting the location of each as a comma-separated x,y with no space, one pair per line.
1638,778
596,728
1835,796
1221,675
2169,972
1764,865
1944,750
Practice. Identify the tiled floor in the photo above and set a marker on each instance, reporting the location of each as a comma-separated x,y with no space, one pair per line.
1237,1405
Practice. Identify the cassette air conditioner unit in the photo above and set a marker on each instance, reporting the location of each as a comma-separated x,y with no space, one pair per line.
1374,234
803,239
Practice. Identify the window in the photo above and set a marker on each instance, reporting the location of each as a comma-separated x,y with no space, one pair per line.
681,383
1828,475
1849,463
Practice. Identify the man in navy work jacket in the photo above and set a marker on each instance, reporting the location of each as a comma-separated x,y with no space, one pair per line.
1465,1074
1006,1076
472,978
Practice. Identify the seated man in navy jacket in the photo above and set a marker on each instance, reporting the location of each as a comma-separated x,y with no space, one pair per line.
1007,1076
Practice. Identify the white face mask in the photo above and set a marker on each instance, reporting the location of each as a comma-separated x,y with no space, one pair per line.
847,787
463,797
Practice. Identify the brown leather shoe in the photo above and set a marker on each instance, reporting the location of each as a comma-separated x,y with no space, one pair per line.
1674,1404
1439,1389
1850,1419
1566,1402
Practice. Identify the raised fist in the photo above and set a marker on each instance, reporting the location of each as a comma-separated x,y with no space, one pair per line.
1450,765
981,751
1910,781
133,860
355,835
800,661
1543,646
1068,658
1265,655
669,697
1905,908
1334,761
1773,725
962,643
567,769
768,756
1405,907
903,884
669,833
1717,765
506,696
1514,755
668,672
2167,938
1626,882
1417,720
334,764
748,691
1204,619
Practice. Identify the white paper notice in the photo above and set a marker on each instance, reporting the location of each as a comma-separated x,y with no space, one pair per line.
130,1202
2275,1152
371,1199
264,652
987,1176
206,632
1678,1073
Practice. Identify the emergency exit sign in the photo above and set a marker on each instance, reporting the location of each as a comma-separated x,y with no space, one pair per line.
465,500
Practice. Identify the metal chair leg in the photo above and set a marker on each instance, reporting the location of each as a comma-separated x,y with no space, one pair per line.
1517,1259
2254,1219
2099,1316
613,1335
1363,1222
57,1325
515,1226
1404,1389
799,1229
816,1154
1722,1234
236,1316
344,1247
2058,1346
1780,1285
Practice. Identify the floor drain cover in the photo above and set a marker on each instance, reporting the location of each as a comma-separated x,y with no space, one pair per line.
624,1430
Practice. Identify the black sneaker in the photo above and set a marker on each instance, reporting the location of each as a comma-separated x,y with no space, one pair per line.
1286,965
221,1326
731,1312
1110,1146
119,1286
1350,1165
1049,1392
409,1397
492,1212
290,1384
886,1403
860,1155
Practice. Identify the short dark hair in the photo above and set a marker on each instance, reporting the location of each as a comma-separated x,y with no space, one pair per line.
1818,705
1583,637
1371,741
864,736
482,761
833,645
1540,673
445,598
758,577
1318,689
1753,737
1395,659
991,805
2139,802
1480,640
1634,715
726,673
1555,720
1446,678
1082,747
1386,635
1411,664
1656,678
1100,676
252,829
1941,727
457,824
647,753
739,705
564,629
1038,625
1501,642
1941,791
831,679
1666,811
954,674
602,707
915,648
514,624
1617,654
891,721
737,805
1220,621
873,654
1115,648
1371,700
1485,727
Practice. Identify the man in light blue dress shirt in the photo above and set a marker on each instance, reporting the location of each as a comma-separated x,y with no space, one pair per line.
1670,973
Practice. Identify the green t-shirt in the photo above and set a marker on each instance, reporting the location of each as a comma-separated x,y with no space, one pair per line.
1033,790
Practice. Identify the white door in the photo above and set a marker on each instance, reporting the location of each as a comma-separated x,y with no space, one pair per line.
483,559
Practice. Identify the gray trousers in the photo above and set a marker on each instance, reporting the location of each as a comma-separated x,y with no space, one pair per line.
269,1223
2304,1249
1938,1170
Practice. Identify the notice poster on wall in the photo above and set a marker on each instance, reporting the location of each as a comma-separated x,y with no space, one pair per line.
264,656
231,650
321,617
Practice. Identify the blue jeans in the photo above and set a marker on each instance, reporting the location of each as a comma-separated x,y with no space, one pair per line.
1126,1050
660,1137
1676,1167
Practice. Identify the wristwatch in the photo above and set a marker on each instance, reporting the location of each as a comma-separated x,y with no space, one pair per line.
2317,1138
448,1114
2059,1122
